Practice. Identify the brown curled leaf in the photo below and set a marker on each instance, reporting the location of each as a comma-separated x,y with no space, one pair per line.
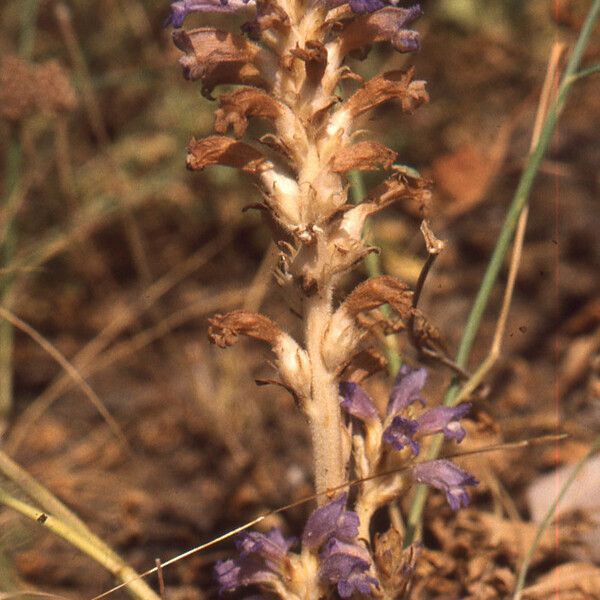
362,365
425,335
412,194
377,291
392,85
385,25
314,55
269,15
216,57
288,388
235,109
364,156
220,150
224,330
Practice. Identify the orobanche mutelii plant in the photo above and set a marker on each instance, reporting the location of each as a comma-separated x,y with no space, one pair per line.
288,63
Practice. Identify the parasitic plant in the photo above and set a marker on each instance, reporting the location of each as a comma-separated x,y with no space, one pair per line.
288,64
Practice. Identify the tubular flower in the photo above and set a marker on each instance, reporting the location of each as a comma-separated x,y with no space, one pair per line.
329,538
446,476
180,9
263,560
400,431
400,434
329,521
445,419
347,567
407,389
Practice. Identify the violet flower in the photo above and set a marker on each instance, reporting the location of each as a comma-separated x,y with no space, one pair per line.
446,476
263,560
347,566
330,520
444,419
344,562
181,8
356,402
362,6
407,389
400,434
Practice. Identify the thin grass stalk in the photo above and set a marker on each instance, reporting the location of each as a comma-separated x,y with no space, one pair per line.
88,543
373,269
502,245
548,519
14,161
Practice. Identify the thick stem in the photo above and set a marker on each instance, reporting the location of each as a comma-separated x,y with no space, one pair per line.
324,412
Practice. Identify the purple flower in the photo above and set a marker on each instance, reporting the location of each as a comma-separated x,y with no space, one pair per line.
180,9
446,476
367,6
263,560
407,389
330,520
357,402
444,419
347,566
361,6
400,434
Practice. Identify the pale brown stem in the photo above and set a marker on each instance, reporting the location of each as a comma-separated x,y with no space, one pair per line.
324,412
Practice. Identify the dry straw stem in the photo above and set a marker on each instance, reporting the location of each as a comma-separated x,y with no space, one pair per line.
70,369
12,177
507,232
86,542
547,92
122,351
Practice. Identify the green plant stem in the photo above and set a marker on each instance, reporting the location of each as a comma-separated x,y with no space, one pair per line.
502,244
373,268
548,518
14,160
86,542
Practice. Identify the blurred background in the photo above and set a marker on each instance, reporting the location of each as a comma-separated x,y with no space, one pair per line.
117,255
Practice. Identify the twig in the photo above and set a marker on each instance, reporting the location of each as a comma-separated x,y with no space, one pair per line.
161,579
506,234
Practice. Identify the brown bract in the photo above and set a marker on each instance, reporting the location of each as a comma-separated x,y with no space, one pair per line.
392,85
314,55
220,150
413,194
236,107
269,15
377,291
364,156
224,330
362,365
216,57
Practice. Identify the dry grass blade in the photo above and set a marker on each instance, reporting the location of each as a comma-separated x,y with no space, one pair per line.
547,95
71,370
87,359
